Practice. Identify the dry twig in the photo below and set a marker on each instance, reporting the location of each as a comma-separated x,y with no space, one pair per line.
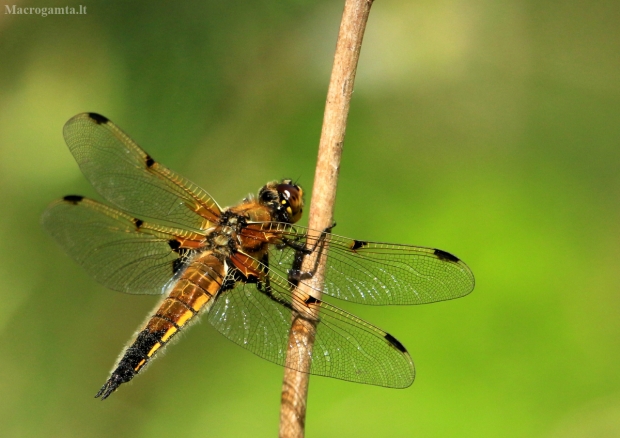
295,386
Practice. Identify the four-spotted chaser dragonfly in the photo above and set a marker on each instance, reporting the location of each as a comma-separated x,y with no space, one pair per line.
238,265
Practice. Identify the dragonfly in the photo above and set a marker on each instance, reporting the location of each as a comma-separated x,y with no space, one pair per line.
239,266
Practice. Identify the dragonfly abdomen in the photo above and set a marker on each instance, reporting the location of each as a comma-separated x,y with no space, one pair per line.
192,293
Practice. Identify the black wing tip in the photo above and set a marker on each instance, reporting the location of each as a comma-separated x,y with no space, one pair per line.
395,343
444,255
73,199
448,257
98,118
405,379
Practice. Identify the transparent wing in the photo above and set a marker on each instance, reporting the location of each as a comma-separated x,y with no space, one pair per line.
120,252
131,180
258,317
376,273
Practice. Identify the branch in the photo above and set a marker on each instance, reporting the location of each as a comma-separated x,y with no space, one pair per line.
301,337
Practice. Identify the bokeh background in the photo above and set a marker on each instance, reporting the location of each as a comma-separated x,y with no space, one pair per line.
488,129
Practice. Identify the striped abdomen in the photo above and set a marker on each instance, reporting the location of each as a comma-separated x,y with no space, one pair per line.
193,292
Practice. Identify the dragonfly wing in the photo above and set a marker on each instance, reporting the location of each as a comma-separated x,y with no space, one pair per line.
117,250
258,317
381,273
376,273
131,180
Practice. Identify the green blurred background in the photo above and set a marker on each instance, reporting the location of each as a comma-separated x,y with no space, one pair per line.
488,129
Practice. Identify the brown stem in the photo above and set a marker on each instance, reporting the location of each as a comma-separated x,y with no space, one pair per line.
301,338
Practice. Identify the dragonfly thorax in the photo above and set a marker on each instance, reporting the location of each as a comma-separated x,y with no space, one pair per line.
223,238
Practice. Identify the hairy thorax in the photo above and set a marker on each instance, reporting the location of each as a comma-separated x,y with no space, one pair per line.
226,239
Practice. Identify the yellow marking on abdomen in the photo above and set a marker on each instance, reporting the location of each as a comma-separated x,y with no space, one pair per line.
200,301
154,349
184,318
171,331
142,362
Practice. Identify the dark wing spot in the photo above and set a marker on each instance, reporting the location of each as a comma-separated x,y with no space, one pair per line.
149,161
184,253
98,118
73,199
392,340
443,255
311,300
138,222
251,279
229,283
357,244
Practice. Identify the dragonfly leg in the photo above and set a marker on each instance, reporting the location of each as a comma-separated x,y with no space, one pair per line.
295,274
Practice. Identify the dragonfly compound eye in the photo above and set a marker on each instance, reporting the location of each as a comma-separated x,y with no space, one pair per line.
291,199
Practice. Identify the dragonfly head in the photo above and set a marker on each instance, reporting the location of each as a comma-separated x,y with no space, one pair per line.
284,199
